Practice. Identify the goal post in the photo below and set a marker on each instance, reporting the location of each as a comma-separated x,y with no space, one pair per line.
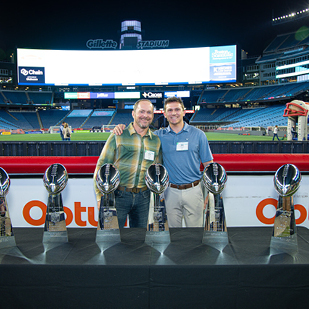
108,128
54,129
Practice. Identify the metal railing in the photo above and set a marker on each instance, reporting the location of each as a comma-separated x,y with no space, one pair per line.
94,148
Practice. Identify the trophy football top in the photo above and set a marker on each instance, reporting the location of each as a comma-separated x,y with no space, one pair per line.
214,177
4,182
55,178
287,180
108,178
157,178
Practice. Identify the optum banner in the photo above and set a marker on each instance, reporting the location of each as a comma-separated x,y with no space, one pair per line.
248,201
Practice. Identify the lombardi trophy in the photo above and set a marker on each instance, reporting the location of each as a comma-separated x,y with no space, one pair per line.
7,238
157,180
215,231
107,179
55,180
286,181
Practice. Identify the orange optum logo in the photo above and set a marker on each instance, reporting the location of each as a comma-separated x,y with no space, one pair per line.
271,201
78,210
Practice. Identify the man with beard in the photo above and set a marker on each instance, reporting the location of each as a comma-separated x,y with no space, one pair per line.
132,153
184,148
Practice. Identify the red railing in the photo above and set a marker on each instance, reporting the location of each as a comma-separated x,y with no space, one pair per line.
86,165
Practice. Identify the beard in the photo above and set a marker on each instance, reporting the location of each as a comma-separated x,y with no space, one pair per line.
143,125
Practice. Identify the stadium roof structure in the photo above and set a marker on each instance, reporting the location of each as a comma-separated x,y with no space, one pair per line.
284,46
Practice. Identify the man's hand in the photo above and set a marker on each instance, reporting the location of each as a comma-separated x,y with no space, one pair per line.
118,130
98,205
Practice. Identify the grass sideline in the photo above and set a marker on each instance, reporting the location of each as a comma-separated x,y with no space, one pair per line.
212,136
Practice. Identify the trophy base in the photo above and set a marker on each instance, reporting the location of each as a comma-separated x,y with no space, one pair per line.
216,240
55,237
7,241
286,244
157,237
108,236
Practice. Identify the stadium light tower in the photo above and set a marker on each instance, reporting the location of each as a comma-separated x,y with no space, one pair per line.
131,34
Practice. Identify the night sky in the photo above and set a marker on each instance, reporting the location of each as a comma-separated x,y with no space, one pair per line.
68,25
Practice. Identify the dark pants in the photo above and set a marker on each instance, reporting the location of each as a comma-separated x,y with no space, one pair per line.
136,205
276,135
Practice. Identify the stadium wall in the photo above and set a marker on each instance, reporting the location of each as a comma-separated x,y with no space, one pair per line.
86,165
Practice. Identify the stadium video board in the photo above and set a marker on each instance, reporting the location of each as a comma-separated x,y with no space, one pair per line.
126,67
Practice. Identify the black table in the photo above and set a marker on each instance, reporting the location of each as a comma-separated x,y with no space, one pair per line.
131,274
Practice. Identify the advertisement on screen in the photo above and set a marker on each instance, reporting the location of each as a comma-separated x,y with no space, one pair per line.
222,63
177,94
102,95
248,201
126,67
32,75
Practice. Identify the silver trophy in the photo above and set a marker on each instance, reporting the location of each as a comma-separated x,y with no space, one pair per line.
215,231
286,181
107,179
55,179
157,181
7,238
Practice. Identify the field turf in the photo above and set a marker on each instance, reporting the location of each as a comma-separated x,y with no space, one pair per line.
212,136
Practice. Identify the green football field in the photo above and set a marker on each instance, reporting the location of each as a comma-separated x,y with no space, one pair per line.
212,136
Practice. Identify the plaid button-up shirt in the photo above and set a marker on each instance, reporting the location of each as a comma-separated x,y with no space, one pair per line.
132,155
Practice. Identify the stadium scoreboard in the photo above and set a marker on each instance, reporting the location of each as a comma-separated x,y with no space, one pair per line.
126,67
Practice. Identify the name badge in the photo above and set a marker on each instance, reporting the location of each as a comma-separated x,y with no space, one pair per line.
181,146
149,155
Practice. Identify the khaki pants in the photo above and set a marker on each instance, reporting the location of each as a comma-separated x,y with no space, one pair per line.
187,204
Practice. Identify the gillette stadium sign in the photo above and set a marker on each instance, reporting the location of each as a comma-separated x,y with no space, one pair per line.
110,44
153,44
101,44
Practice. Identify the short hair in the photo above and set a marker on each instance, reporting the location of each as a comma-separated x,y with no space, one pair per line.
137,104
172,100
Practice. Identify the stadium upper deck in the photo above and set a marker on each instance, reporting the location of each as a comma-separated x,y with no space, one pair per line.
264,117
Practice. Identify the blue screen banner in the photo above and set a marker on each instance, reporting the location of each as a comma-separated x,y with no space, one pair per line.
32,75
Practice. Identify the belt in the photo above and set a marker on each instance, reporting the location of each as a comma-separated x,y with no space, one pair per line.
185,186
133,190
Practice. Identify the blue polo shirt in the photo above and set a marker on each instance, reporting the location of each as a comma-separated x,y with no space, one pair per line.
183,153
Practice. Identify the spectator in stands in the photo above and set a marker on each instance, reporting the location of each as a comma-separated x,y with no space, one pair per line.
184,147
66,132
276,133
61,130
132,153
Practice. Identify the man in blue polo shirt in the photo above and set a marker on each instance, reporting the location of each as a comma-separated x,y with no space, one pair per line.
184,148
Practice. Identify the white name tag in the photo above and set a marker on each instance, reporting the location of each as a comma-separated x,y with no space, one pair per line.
181,146
149,155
